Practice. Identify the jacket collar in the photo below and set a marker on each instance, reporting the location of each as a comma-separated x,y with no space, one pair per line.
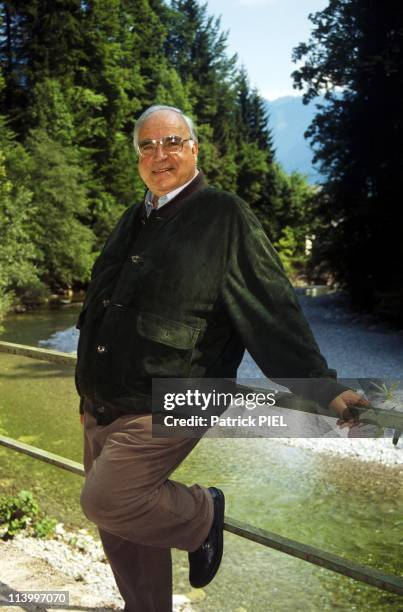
172,207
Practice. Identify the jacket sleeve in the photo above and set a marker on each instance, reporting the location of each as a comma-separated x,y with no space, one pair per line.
264,310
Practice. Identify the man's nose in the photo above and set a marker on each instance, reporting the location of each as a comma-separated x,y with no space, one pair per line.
159,151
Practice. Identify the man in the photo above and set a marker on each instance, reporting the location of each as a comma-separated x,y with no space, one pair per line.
185,282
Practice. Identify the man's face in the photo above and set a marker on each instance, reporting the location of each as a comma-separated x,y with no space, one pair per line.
163,172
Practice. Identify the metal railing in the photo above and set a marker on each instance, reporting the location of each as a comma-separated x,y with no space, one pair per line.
311,554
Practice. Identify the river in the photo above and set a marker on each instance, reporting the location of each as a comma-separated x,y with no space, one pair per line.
340,504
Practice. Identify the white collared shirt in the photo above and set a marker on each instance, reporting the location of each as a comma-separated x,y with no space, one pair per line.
165,198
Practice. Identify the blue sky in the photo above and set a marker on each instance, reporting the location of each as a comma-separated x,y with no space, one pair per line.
263,34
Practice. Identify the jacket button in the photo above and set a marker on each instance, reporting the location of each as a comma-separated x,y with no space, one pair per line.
136,259
105,303
101,409
101,349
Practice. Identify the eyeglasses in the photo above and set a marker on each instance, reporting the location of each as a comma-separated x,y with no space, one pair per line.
170,144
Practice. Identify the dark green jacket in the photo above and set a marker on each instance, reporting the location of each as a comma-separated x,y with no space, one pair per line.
182,294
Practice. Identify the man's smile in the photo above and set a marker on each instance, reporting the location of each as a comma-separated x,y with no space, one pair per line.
161,170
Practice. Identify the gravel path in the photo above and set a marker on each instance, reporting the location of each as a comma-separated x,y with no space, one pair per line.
356,345
22,570
72,562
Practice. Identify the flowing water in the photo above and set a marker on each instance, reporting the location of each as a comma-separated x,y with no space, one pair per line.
342,505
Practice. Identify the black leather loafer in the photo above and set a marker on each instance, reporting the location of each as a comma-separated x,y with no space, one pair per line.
205,561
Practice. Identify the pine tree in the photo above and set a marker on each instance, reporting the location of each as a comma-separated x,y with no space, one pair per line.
196,47
59,200
40,39
255,154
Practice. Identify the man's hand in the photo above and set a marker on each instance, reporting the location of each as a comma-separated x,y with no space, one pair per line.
341,405
82,419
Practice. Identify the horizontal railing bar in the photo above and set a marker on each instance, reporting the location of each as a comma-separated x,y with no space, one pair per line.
39,453
392,584
374,577
38,353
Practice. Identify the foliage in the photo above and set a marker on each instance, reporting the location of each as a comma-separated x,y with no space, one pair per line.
18,256
295,222
73,76
355,55
22,512
6,301
44,528
291,252
59,197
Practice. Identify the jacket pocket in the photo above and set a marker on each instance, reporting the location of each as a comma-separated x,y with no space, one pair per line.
168,332
164,347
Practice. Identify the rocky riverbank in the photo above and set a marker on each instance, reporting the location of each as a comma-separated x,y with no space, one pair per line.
381,451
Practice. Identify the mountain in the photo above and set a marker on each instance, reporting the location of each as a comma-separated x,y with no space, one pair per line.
289,119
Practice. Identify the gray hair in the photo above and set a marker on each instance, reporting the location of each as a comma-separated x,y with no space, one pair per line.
161,107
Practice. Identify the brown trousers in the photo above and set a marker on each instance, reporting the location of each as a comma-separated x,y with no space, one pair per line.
141,514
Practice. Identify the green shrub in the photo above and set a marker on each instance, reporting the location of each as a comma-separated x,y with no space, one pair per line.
44,528
22,512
